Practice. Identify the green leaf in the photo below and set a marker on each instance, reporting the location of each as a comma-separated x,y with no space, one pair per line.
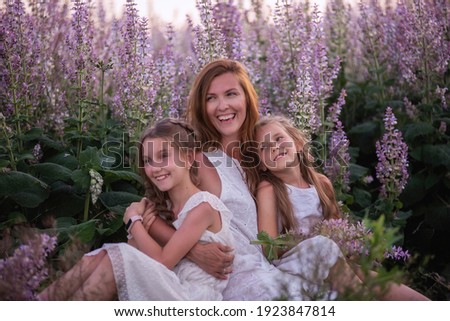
357,171
24,189
13,219
4,163
414,191
33,134
82,180
439,218
117,202
112,176
431,180
64,159
362,197
46,141
364,128
67,227
89,158
112,226
50,172
418,129
433,154
63,201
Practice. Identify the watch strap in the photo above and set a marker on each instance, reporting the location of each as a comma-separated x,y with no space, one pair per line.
131,221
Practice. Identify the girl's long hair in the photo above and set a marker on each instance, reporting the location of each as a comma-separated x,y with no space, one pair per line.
183,138
310,175
197,116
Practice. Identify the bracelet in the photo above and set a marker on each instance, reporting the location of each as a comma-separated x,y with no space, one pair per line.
131,221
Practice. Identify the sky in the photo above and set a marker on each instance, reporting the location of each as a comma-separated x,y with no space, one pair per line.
175,11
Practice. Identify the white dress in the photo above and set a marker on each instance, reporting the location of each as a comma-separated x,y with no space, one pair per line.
320,252
139,277
253,277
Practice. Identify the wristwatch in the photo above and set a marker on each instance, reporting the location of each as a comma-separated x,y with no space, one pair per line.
131,221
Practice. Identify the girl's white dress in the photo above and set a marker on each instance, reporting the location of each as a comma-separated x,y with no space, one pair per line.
320,252
253,277
139,277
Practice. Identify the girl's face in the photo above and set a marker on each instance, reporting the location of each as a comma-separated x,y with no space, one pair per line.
164,165
276,148
226,106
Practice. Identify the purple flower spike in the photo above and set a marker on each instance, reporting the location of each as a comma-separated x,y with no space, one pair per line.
392,153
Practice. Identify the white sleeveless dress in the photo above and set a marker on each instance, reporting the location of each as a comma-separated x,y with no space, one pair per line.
253,277
312,258
139,277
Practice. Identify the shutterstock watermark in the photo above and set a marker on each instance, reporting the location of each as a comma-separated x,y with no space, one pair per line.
122,153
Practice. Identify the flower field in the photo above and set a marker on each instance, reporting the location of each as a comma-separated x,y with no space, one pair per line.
368,81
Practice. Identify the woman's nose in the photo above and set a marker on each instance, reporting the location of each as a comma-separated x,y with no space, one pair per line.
222,104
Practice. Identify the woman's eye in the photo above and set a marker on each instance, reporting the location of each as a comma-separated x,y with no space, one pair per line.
209,98
232,93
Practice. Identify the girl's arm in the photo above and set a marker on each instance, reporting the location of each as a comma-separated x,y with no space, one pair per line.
213,258
197,221
158,229
267,209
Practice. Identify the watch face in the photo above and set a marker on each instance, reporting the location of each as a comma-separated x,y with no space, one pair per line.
128,224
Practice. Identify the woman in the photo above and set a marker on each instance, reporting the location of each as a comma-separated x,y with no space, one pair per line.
223,107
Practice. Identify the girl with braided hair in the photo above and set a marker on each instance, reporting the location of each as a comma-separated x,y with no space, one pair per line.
142,269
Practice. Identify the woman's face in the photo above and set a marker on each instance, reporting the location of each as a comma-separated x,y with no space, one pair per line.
226,106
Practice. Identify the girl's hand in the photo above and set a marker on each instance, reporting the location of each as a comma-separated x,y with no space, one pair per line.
136,208
149,215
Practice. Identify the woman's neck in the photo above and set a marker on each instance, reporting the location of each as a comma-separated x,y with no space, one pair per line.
231,147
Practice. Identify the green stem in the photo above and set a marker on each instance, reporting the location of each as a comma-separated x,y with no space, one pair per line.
9,147
80,117
426,67
86,206
16,111
103,110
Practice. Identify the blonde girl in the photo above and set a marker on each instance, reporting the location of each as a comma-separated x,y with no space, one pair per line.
292,196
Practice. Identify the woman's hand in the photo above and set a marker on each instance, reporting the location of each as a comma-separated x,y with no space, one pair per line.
214,258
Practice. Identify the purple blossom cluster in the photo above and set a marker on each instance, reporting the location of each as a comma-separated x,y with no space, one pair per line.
135,77
208,42
338,158
338,161
354,239
392,154
22,273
